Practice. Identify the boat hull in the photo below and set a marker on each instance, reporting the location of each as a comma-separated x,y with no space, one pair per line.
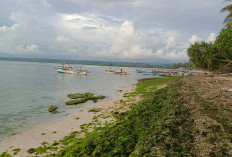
71,72
115,72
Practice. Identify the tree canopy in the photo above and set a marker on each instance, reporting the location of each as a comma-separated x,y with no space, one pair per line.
215,56
228,8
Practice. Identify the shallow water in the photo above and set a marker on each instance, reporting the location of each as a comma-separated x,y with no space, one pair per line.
27,89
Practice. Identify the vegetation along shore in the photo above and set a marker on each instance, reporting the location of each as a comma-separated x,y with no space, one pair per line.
173,116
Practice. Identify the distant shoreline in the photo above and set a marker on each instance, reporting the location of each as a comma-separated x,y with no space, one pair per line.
86,62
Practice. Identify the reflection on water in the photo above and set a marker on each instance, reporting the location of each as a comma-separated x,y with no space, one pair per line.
28,89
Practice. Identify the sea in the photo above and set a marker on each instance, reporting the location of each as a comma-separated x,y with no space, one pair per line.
27,89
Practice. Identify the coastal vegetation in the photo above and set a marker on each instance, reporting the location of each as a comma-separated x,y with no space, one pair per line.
176,116
186,65
228,8
171,121
215,56
82,98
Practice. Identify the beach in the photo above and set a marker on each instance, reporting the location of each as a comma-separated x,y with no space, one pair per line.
59,128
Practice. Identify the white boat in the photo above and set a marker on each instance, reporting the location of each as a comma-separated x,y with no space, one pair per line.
69,70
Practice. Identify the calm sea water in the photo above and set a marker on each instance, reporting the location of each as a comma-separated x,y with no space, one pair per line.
28,89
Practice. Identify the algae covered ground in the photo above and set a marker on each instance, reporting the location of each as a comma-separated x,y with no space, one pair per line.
174,117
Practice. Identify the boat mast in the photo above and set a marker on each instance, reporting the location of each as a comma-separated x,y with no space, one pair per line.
110,66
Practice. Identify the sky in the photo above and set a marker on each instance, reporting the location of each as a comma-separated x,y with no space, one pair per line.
148,31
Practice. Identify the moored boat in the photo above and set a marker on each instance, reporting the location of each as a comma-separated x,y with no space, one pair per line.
116,72
69,70
121,73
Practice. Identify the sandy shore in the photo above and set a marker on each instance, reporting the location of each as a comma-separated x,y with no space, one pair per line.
56,130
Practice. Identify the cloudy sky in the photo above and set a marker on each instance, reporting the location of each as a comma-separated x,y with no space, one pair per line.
154,31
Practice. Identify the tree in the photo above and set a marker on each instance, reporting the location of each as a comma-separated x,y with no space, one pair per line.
215,56
202,55
187,65
228,8
224,46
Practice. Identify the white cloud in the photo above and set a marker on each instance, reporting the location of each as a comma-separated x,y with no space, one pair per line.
127,44
61,38
5,29
130,45
72,51
194,39
212,37
28,48
87,28
171,42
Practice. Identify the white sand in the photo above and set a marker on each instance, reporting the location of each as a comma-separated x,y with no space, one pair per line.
32,137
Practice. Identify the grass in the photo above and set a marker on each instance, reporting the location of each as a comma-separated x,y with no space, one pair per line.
145,130
172,121
162,124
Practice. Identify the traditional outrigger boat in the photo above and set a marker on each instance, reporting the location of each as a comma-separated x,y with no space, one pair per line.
116,72
143,72
69,70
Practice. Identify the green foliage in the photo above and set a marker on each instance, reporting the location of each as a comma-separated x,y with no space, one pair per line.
182,65
52,108
224,44
202,55
228,8
145,130
213,56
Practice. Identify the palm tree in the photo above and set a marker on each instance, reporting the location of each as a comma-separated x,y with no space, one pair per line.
228,8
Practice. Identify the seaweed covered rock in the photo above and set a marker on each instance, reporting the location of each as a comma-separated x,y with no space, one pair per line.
82,98
52,108
79,95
